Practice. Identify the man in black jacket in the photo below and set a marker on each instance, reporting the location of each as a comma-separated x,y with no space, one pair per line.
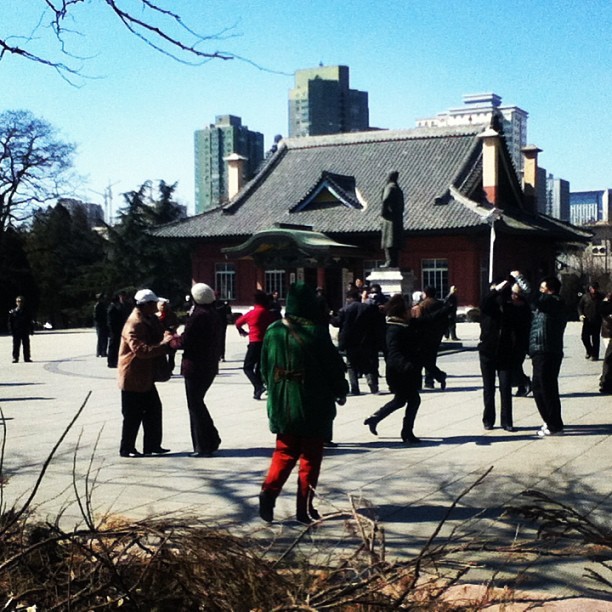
589,312
21,328
546,352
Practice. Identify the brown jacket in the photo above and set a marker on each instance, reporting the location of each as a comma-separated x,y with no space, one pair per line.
140,346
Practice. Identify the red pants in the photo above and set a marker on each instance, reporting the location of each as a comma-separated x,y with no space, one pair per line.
290,448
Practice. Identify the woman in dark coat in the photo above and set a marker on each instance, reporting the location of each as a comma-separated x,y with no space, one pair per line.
201,343
404,339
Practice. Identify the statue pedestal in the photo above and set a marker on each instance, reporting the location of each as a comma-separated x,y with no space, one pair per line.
392,280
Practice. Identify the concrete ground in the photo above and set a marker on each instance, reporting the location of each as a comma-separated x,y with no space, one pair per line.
408,488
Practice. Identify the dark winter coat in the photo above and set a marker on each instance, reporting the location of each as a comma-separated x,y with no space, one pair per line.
589,306
20,322
547,326
504,329
201,342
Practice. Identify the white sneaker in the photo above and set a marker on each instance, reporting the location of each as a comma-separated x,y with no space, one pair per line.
546,432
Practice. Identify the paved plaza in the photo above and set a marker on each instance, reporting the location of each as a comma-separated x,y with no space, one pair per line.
409,488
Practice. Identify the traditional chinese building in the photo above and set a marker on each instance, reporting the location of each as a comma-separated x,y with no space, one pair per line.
313,213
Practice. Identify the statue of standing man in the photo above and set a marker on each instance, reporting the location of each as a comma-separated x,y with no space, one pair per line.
392,222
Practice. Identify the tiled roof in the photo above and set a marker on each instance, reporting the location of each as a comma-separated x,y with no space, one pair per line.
440,170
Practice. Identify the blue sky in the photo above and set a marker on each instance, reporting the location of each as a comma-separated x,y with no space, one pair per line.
134,119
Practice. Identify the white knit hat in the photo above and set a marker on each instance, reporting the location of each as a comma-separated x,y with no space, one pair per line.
145,295
202,294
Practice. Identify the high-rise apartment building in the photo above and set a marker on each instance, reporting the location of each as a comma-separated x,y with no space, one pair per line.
323,103
558,198
590,207
212,146
479,108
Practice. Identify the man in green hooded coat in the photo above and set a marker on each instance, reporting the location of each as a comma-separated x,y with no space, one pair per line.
304,375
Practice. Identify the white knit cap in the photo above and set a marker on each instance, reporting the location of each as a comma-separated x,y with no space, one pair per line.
145,295
202,294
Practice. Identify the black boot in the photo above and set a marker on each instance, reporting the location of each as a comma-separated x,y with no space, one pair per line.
372,422
266,506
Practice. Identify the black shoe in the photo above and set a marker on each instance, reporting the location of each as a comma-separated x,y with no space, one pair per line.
330,444
374,389
266,506
443,382
309,517
411,439
201,454
371,422
15,360
510,428
157,451
132,453
258,393
30,361
488,427
429,385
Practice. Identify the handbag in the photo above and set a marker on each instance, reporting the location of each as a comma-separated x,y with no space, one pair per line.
162,371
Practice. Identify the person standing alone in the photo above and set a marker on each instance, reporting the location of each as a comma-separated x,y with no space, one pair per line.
589,312
21,327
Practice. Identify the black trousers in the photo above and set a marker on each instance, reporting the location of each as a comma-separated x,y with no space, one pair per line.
590,337
18,341
251,365
605,382
140,408
545,386
114,340
204,435
488,369
102,344
408,397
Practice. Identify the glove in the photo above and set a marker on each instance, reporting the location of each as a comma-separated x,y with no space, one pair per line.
341,400
501,286
582,318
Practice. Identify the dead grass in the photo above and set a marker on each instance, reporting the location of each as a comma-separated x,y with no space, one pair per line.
178,563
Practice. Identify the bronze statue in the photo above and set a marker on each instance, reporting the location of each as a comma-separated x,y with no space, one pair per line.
392,221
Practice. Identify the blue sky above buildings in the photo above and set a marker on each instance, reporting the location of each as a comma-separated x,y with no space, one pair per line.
134,120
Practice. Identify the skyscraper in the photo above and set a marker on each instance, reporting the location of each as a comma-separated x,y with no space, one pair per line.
323,103
479,108
211,146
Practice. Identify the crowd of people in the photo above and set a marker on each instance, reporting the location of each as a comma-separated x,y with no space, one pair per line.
292,359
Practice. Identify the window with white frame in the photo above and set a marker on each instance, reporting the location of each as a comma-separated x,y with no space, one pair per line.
434,273
225,280
276,281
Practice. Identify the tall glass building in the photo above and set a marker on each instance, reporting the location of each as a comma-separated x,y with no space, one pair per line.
211,146
323,103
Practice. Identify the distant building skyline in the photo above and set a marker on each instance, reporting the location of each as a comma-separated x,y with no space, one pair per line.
212,145
590,207
479,108
94,214
322,102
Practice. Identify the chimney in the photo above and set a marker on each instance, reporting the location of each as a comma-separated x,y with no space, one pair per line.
530,177
235,173
490,164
